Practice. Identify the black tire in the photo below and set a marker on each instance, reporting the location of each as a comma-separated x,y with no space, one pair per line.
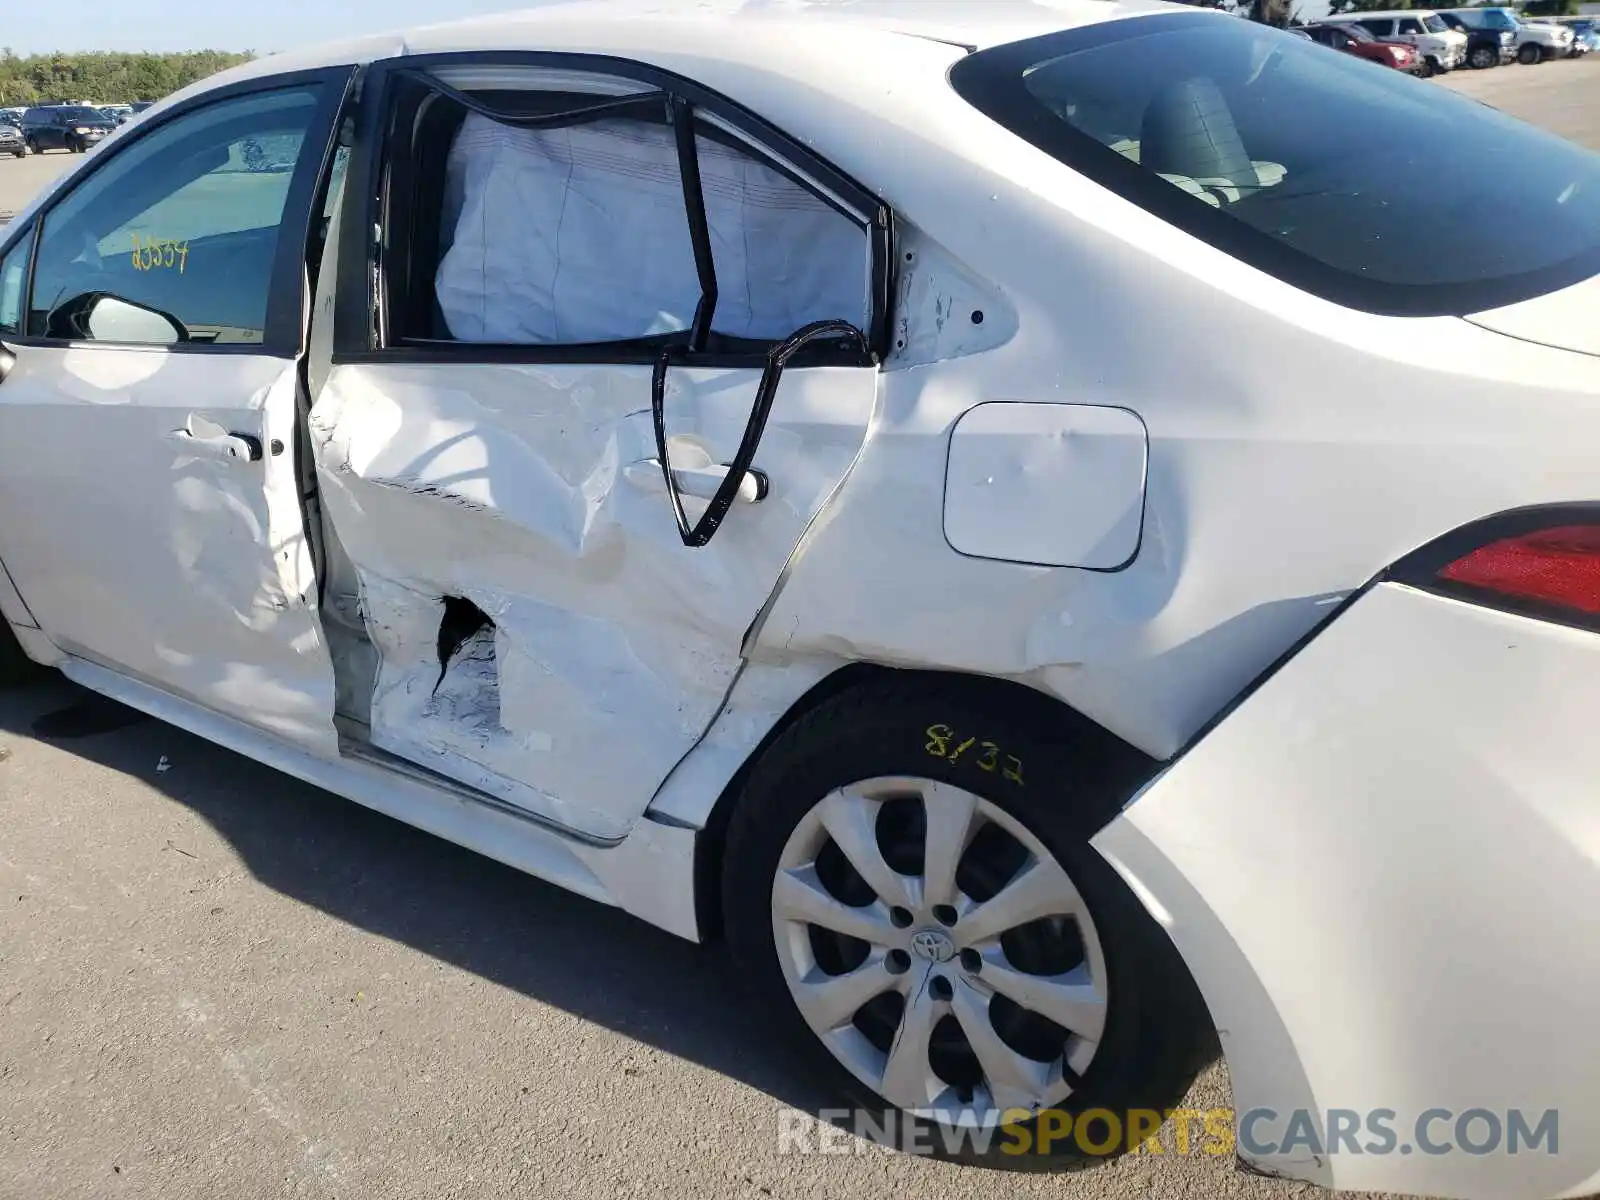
1430,68
1529,54
1483,56
1158,1035
16,668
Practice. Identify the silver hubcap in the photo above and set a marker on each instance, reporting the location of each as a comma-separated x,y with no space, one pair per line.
938,950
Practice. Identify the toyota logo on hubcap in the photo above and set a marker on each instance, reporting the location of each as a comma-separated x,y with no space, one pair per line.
933,946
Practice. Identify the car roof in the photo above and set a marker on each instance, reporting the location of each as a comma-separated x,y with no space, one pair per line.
847,75
789,35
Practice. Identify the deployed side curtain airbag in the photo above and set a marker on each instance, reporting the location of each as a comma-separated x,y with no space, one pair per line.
579,234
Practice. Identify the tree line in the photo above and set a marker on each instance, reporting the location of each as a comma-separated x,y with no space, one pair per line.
105,77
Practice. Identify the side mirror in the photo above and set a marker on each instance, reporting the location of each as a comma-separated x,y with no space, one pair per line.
113,319
103,317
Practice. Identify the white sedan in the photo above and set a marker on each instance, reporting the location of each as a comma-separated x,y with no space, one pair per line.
1052,528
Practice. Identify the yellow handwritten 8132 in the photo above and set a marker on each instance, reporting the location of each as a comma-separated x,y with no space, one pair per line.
944,742
159,254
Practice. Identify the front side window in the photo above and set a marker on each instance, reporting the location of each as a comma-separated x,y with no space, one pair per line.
1412,25
1378,28
1435,24
560,219
1311,166
174,239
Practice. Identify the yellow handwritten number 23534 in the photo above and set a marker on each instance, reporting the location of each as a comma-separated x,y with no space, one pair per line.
156,254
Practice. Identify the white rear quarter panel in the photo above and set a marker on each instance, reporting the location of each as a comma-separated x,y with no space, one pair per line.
1383,870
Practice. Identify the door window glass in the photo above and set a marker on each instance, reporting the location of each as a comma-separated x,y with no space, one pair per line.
1411,25
176,235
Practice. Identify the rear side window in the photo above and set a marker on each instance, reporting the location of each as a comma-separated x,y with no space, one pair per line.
1350,183
549,217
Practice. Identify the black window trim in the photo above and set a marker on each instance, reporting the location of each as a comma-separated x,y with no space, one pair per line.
13,240
283,334
359,334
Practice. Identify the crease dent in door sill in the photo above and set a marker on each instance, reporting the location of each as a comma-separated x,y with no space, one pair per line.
357,745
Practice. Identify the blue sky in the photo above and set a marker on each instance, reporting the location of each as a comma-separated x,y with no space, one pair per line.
261,25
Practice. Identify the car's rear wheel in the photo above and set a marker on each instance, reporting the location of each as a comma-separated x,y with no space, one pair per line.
1529,54
1481,57
908,881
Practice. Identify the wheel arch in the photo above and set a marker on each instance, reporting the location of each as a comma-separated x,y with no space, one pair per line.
1007,696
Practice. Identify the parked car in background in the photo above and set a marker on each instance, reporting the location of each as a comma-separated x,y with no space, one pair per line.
1585,35
139,106
1486,46
65,127
1536,41
1440,47
1353,39
11,140
118,113
1554,40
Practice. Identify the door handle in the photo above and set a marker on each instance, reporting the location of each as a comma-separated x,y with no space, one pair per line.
701,482
230,447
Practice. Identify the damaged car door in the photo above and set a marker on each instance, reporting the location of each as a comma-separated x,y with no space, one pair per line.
147,423
605,347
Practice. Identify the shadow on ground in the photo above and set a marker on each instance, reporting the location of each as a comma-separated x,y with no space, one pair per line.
396,882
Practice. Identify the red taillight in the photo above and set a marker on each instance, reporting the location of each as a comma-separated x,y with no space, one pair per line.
1559,566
